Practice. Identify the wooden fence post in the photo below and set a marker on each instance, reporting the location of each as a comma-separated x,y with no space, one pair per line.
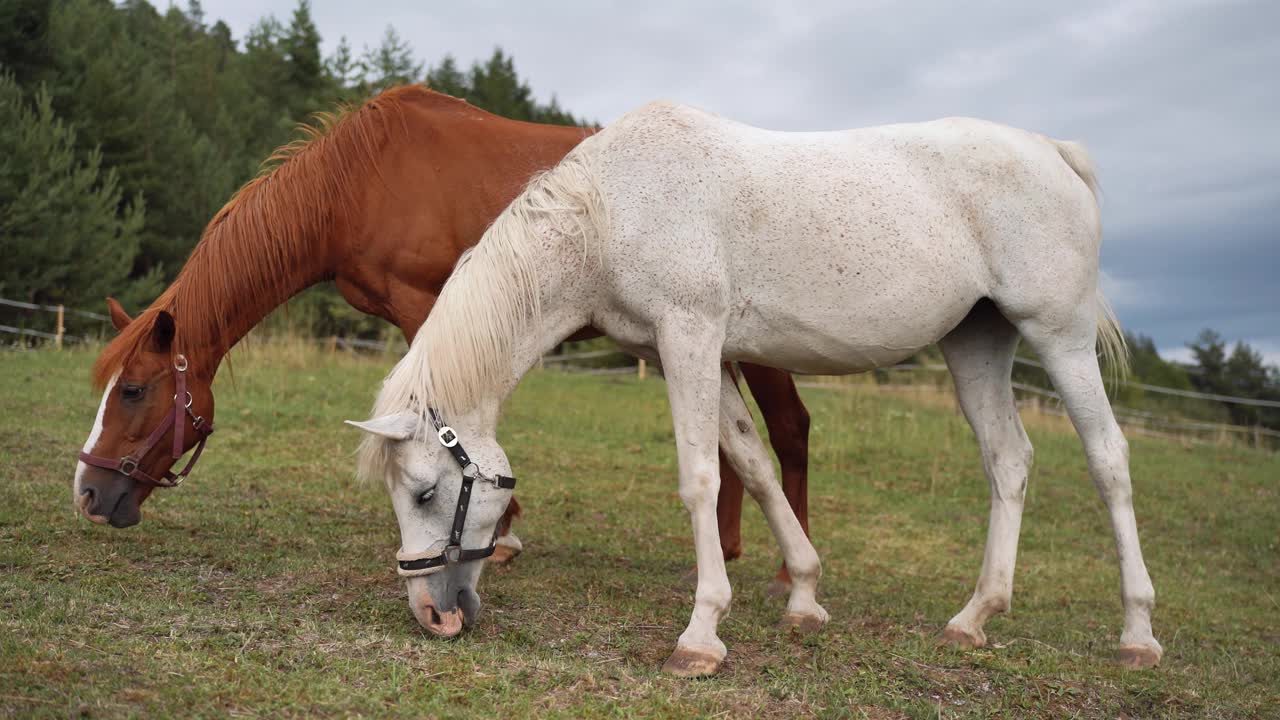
58,340
640,369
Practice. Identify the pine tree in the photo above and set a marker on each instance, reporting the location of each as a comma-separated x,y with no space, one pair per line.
63,234
24,26
195,11
266,69
496,88
1242,374
343,67
390,64
306,74
1147,366
553,114
448,79
136,118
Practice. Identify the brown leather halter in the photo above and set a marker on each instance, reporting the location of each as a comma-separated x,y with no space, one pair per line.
128,465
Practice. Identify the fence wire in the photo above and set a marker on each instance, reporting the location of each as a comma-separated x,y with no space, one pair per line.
1133,418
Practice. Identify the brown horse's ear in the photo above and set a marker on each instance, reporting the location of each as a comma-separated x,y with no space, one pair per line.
162,332
119,317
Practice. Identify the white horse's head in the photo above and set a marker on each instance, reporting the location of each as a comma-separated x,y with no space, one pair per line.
484,333
449,486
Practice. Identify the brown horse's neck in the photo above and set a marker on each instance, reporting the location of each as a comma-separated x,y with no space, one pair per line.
435,194
239,302
270,242
384,200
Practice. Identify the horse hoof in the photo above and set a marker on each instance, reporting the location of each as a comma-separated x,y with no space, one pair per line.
505,549
688,662
957,637
503,555
802,624
777,588
1138,657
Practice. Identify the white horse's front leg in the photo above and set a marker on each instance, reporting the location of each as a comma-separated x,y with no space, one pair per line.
690,352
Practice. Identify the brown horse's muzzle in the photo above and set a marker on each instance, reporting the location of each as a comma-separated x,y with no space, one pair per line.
108,497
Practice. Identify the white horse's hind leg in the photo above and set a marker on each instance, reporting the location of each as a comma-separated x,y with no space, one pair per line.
745,451
979,354
1069,358
690,350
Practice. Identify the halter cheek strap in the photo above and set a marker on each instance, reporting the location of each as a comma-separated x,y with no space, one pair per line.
428,562
175,419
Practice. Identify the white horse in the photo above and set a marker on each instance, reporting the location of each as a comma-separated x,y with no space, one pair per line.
693,239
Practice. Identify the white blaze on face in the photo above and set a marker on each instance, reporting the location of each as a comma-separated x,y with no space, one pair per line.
94,434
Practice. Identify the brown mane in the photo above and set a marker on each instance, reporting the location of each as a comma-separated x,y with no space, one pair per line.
304,187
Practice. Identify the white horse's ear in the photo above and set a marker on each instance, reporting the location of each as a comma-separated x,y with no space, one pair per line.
400,426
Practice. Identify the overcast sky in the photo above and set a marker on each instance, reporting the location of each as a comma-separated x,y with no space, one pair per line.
1178,101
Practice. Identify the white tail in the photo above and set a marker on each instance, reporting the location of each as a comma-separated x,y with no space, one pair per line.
1077,157
1111,342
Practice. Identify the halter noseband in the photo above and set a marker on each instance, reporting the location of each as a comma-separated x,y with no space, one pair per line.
129,464
426,563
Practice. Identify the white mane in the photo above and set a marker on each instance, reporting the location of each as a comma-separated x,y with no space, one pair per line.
464,348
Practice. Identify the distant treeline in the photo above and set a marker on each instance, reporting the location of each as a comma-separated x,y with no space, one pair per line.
123,129
1216,368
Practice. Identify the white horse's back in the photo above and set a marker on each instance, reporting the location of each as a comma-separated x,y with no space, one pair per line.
841,251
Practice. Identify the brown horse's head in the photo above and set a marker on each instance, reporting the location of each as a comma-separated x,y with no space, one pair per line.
137,371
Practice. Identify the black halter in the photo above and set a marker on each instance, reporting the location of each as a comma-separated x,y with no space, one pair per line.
418,564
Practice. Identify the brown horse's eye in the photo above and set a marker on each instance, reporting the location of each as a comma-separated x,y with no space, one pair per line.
132,392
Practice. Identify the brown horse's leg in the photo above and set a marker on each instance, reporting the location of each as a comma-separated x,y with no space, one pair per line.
788,422
503,553
512,512
729,502
729,510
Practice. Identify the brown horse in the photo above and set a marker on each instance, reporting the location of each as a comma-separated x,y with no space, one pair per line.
383,200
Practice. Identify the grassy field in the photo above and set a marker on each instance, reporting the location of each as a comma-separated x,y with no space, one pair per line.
264,586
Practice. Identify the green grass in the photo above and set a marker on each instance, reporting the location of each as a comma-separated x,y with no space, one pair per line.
264,586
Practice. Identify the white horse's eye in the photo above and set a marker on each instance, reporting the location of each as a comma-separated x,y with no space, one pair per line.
425,496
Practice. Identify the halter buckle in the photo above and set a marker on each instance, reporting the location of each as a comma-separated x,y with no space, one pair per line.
448,437
452,553
180,362
128,466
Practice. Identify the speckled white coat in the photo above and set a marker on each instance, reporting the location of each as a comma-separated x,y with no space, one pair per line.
835,252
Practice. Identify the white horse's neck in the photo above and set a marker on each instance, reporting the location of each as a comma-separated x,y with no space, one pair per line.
566,282
530,283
